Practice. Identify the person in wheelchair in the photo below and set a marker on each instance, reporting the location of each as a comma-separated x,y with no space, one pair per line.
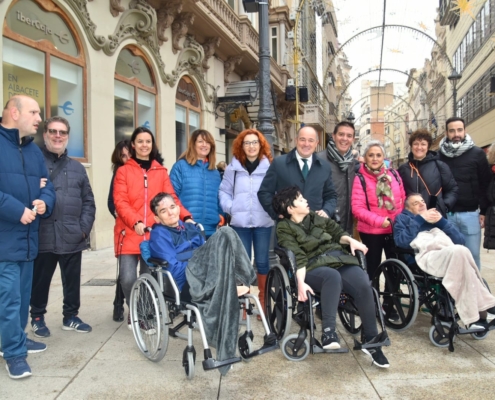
325,265
440,251
203,274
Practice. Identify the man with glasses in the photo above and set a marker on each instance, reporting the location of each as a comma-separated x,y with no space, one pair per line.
64,234
302,168
23,201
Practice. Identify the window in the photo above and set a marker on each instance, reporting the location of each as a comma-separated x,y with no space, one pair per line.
42,59
134,95
231,3
274,42
187,113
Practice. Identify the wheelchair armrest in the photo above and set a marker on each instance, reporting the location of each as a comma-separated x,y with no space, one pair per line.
157,262
287,258
362,259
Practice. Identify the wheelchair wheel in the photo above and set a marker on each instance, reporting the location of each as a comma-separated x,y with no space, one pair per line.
398,294
348,315
245,348
149,314
288,348
189,365
436,337
278,301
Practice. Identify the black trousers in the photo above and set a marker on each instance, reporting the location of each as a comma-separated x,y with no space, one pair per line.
376,245
70,269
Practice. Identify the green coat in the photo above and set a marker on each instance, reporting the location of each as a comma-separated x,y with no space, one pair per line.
311,238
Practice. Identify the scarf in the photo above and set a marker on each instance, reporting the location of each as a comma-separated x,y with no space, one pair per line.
343,161
383,187
451,150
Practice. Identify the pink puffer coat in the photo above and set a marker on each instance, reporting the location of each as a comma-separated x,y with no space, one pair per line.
370,221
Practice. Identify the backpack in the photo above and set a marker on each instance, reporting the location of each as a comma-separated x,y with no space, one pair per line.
363,183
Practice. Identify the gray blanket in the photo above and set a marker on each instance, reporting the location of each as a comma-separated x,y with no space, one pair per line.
212,273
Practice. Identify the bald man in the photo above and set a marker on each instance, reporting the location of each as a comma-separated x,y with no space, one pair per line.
25,197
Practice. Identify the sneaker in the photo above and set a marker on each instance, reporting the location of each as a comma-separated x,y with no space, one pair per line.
74,323
118,313
480,324
18,368
378,357
330,340
32,347
39,327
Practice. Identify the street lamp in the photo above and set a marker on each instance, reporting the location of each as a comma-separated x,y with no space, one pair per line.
454,78
351,117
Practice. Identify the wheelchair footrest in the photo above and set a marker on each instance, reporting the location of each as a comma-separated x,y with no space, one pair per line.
379,340
210,363
270,343
317,349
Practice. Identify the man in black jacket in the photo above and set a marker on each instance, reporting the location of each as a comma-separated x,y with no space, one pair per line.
338,155
64,235
301,167
471,171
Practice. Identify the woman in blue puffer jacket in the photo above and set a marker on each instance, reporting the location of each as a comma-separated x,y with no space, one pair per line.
196,180
239,198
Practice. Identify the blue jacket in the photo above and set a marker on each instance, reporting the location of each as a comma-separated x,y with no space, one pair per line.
176,246
197,188
21,168
407,226
239,195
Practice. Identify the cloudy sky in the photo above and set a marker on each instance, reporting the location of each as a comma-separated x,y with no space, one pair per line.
403,48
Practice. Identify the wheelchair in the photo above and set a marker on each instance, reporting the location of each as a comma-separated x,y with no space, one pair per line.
282,306
404,289
155,303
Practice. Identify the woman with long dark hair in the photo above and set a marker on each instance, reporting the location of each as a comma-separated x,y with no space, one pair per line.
196,180
239,198
136,183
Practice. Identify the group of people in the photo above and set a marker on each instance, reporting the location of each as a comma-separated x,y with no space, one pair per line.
313,197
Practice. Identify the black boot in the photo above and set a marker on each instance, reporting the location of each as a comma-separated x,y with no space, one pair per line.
118,303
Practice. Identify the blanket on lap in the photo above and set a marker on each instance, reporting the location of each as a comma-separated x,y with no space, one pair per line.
439,256
212,273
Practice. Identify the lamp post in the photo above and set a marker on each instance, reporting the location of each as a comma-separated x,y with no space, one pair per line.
351,117
265,114
454,78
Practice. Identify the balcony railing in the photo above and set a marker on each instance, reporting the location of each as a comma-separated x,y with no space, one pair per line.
447,16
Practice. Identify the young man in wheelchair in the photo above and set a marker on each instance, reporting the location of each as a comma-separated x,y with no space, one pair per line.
325,265
440,252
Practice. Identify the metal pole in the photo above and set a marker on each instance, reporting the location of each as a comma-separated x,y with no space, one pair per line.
265,114
454,97
296,61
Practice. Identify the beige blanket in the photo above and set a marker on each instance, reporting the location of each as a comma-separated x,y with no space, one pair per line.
439,256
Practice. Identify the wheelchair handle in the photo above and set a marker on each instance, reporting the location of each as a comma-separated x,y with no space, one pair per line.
362,259
148,229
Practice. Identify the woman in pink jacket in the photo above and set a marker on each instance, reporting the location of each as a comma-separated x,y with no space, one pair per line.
377,198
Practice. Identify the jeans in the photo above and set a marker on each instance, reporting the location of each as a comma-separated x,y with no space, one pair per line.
259,238
70,270
468,224
15,290
127,272
351,279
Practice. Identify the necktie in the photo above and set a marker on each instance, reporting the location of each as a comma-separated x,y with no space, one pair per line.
305,168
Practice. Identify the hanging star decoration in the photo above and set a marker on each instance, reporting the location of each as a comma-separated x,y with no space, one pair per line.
396,51
461,7
423,26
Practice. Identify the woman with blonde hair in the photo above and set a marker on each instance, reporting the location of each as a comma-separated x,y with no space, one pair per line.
239,198
196,180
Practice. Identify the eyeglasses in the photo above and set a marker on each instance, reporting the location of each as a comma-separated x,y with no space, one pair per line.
59,131
253,143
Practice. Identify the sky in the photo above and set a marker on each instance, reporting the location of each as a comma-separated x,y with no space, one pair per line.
403,48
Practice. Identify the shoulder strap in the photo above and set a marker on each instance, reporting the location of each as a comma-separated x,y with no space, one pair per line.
233,185
394,173
363,184
60,166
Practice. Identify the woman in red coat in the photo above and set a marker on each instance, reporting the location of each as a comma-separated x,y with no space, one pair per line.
136,183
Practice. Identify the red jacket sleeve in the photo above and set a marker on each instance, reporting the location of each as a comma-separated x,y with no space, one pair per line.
123,205
168,188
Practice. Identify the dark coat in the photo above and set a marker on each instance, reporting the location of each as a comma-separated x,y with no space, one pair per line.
317,188
21,170
437,176
110,203
66,230
342,182
472,174
489,240
311,238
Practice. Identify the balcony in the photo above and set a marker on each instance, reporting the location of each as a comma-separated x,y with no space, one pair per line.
314,116
447,16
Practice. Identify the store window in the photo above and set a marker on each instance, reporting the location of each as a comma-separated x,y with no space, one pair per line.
41,59
187,113
135,94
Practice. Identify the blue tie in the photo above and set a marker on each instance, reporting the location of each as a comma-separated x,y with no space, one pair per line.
305,168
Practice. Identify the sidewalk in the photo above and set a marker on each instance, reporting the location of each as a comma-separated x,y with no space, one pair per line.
106,363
